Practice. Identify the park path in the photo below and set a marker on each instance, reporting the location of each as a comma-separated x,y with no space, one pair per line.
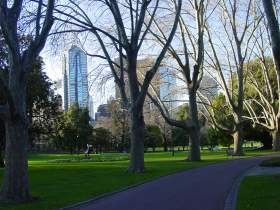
203,188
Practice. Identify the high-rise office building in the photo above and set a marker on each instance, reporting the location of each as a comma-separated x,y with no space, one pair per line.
168,88
75,78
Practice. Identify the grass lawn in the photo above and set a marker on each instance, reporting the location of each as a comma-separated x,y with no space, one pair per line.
273,162
59,182
259,193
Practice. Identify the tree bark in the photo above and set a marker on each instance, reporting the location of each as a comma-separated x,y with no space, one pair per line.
165,144
194,143
273,26
137,142
15,185
238,140
276,140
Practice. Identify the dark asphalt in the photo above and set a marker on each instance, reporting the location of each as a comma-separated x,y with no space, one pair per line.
197,189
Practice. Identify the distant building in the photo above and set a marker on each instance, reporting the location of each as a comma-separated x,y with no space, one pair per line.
75,78
208,87
168,88
91,107
103,117
102,112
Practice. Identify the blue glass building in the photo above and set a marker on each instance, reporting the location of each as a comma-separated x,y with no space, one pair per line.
75,77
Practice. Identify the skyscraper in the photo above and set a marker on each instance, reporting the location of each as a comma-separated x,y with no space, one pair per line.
168,88
75,78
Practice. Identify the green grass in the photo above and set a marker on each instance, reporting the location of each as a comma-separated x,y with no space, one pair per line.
273,162
259,193
59,183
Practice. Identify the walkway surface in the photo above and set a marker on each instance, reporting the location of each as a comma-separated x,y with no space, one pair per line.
203,188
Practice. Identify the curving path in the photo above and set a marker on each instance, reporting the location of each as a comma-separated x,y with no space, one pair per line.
203,188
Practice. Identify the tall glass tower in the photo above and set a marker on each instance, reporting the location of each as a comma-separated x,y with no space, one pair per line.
76,79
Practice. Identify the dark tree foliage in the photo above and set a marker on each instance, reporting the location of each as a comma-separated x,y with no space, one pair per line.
41,101
43,105
153,137
102,140
180,137
216,137
258,133
72,130
2,143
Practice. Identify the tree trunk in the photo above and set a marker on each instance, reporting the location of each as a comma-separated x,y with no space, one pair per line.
165,144
137,142
15,187
276,140
2,164
238,141
136,115
194,143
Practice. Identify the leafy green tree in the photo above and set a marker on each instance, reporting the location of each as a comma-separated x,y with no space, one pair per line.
73,130
101,139
182,112
153,137
42,103
180,137
222,112
216,137
261,99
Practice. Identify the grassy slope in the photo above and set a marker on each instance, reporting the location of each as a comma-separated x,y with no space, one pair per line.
259,193
61,184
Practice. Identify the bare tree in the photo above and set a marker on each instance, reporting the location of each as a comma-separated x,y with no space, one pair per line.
265,109
187,52
231,47
15,186
126,37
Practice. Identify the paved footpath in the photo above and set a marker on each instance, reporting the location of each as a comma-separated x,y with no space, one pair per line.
203,188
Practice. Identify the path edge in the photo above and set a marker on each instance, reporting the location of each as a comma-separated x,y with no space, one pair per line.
231,200
105,195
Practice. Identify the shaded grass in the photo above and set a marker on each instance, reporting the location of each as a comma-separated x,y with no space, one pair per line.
64,183
273,162
259,193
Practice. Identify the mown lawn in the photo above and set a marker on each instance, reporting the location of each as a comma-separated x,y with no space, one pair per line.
259,193
59,182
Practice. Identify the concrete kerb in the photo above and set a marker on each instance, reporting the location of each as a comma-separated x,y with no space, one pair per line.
231,200
105,195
